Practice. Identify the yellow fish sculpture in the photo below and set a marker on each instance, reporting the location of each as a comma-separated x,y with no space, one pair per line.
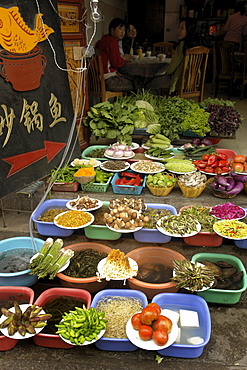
16,36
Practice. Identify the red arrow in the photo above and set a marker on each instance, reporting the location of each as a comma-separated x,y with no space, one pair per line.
21,161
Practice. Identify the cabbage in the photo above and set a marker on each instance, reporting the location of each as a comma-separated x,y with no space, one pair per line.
154,128
227,211
144,104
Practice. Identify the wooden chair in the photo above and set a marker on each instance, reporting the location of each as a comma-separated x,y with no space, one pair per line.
163,47
96,82
244,81
225,66
193,73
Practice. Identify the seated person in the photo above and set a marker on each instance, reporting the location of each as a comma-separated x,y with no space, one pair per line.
108,47
187,38
130,46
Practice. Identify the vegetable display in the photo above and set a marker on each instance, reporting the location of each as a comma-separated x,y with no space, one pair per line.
50,259
232,229
194,180
202,214
23,322
64,174
81,325
213,163
129,178
179,165
179,224
161,180
226,275
230,185
124,217
192,275
158,141
197,151
119,151
239,164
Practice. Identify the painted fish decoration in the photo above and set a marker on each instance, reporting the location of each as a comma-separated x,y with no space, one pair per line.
16,36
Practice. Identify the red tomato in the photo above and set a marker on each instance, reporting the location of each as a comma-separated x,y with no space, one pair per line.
212,158
245,167
208,170
145,332
136,321
222,156
225,169
215,164
162,322
148,315
160,337
239,167
218,170
156,306
201,165
205,156
223,163
239,158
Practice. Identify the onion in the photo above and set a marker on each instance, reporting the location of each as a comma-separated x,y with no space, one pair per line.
118,153
121,147
128,153
109,152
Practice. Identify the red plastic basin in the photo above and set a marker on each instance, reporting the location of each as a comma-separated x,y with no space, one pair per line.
21,295
54,340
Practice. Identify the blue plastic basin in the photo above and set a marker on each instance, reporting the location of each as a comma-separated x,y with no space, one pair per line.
21,278
115,344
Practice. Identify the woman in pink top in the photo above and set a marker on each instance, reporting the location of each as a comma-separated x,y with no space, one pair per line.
236,25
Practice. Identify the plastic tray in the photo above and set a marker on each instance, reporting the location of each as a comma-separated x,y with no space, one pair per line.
96,187
154,235
21,295
127,189
230,153
54,340
176,301
101,231
114,344
86,153
49,228
220,295
65,186
204,239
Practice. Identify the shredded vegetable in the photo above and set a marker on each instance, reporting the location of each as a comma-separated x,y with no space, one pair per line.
232,229
227,211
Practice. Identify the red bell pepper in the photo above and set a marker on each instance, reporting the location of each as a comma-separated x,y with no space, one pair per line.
118,181
218,170
212,159
138,180
130,182
129,174
123,181
222,156
214,164
223,163
208,170
206,156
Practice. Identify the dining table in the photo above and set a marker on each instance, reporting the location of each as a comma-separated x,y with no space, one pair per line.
148,67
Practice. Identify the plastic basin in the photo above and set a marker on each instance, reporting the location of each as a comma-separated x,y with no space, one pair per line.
54,340
49,228
153,255
21,278
115,344
101,231
154,235
91,284
187,302
11,294
219,295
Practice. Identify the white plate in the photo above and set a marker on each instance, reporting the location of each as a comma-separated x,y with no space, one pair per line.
133,146
133,165
213,174
17,335
86,342
240,173
74,228
145,146
61,269
132,263
227,237
223,218
181,173
157,158
200,290
163,231
100,204
85,161
106,169
121,158
150,345
124,231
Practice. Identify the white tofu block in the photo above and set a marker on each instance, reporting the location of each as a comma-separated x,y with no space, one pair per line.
189,318
195,340
172,315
